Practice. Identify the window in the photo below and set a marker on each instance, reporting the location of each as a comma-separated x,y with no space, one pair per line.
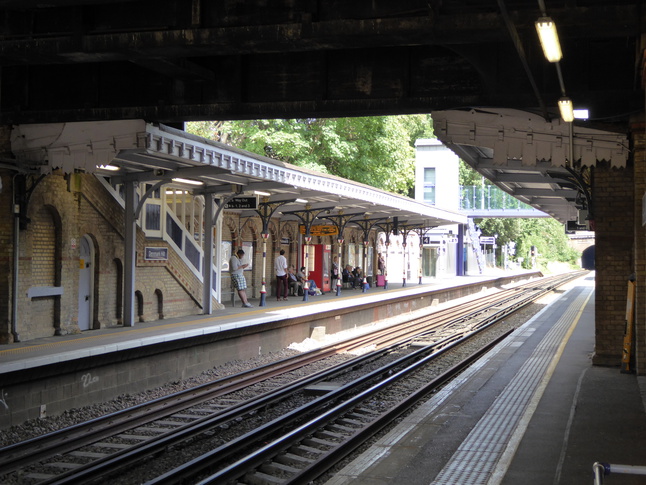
429,185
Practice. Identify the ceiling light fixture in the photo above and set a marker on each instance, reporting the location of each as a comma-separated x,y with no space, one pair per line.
188,181
549,38
258,192
581,114
567,109
111,168
301,201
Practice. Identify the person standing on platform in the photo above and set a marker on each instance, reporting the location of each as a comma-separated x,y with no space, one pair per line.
237,278
282,286
335,270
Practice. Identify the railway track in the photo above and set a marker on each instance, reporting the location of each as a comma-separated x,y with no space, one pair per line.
91,451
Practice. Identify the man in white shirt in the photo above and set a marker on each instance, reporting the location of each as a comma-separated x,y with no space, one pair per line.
282,286
238,280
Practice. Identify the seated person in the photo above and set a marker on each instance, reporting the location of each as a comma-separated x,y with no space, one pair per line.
300,275
358,277
295,286
313,289
347,276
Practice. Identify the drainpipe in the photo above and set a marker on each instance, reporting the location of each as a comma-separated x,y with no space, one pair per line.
16,255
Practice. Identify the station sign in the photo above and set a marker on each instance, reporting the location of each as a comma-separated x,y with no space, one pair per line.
487,240
242,203
155,254
320,230
573,226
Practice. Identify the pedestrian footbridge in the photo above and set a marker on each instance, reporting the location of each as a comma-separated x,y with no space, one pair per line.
482,201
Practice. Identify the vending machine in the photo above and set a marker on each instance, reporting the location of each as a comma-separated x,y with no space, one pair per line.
318,264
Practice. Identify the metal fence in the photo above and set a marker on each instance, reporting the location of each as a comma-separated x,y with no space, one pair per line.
489,197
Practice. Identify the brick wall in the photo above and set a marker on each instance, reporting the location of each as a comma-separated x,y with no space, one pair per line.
63,210
6,257
613,215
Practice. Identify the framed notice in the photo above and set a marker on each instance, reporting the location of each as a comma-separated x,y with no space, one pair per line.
226,255
247,247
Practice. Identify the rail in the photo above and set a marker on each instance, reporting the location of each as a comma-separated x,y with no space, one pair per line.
472,316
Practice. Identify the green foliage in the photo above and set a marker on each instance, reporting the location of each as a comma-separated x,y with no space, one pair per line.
377,151
469,176
548,235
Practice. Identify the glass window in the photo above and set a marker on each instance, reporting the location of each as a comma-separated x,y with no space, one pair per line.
429,185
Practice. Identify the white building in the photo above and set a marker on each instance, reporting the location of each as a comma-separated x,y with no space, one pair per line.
436,184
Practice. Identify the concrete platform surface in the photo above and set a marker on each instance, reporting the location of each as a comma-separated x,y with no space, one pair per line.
532,411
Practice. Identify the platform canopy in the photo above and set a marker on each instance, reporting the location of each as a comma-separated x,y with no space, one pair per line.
150,153
530,157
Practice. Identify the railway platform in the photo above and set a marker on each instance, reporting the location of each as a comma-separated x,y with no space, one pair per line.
47,376
534,410
56,349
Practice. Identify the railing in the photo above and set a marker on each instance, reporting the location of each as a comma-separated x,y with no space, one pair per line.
489,197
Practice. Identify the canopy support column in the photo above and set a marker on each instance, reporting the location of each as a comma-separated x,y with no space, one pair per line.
207,267
129,259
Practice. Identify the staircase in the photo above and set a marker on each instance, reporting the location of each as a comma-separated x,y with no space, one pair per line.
159,219
474,236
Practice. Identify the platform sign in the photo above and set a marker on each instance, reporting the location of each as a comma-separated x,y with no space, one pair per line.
487,240
320,230
242,203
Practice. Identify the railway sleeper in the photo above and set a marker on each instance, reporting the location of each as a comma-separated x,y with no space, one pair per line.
212,408
318,442
88,454
39,476
111,446
347,420
362,412
190,417
171,422
341,428
304,449
134,437
259,478
326,433
292,459
275,468
159,430
63,465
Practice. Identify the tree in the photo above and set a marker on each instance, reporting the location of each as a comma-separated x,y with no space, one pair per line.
547,235
468,176
377,151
